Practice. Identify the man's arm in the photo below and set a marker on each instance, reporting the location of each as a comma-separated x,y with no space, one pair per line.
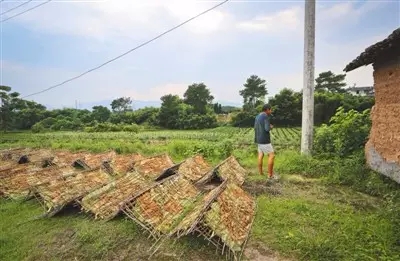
267,126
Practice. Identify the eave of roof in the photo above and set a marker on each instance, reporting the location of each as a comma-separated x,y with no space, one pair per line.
374,51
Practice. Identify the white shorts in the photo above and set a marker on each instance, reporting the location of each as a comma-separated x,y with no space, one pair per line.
265,148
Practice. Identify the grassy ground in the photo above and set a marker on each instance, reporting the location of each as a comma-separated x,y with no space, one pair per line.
320,210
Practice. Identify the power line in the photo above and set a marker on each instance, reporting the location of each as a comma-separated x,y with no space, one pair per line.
27,10
131,50
9,10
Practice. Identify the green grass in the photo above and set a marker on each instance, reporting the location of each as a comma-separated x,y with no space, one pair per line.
324,210
317,222
74,236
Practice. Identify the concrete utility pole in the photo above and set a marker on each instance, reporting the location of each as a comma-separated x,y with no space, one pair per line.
307,124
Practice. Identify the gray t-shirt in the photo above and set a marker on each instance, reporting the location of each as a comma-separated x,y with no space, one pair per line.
261,129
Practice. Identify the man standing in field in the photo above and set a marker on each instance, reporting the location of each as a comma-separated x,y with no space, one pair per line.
262,138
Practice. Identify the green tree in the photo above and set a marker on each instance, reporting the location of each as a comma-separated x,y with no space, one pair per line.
217,107
100,113
25,118
198,96
328,81
9,102
325,106
147,115
287,108
122,104
168,115
254,92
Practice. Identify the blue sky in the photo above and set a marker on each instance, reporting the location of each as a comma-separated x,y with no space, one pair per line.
222,48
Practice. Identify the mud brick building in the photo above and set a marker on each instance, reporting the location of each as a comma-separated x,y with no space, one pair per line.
383,147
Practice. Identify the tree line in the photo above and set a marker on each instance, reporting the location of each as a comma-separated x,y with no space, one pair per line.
195,110
330,95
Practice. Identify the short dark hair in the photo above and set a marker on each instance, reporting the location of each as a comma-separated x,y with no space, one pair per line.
266,107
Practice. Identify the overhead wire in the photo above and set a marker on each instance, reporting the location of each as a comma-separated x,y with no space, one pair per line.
129,51
11,9
27,10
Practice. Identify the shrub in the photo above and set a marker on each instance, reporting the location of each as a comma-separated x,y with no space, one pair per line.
38,127
244,119
346,133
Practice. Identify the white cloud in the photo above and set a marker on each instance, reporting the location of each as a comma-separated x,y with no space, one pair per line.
117,80
286,20
335,11
155,93
212,21
347,12
137,19
292,19
122,18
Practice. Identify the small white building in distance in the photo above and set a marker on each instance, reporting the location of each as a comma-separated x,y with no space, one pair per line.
362,91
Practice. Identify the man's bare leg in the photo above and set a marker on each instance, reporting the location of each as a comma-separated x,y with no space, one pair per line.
260,162
271,157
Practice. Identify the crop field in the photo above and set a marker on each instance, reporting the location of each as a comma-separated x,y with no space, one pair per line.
126,142
309,214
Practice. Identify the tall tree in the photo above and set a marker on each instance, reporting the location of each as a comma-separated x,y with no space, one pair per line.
254,92
9,102
198,96
287,107
27,113
328,81
217,107
101,113
169,111
122,104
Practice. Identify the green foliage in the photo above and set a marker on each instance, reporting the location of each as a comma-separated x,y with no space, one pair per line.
110,127
324,229
194,111
287,104
147,115
100,113
254,92
286,108
122,104
16,113
229,109
244,118
217,107
175,114
199,97
38,127
320,215
350,171
346,133
328,81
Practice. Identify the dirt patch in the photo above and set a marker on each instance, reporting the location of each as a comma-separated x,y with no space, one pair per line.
262,187
257,252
